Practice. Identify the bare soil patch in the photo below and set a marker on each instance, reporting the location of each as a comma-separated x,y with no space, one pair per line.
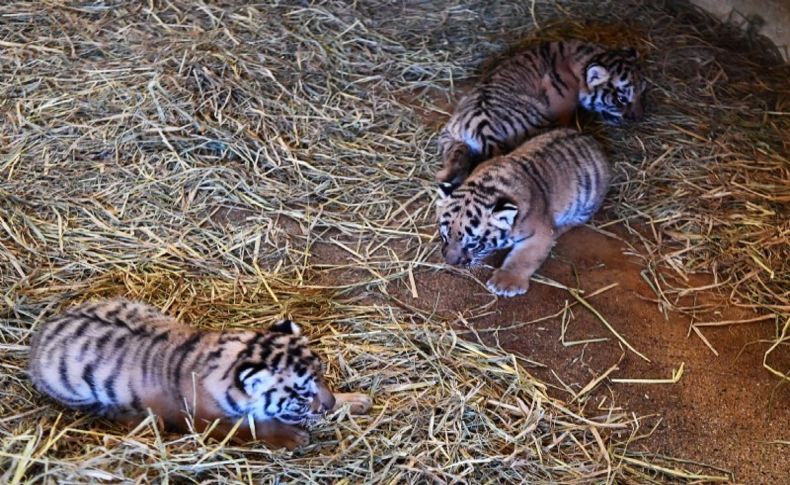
725,411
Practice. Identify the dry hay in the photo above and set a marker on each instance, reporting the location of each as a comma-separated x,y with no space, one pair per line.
211,158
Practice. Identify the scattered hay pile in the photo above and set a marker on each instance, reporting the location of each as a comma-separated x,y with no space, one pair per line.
212,158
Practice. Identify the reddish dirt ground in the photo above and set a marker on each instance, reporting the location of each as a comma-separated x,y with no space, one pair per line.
726,411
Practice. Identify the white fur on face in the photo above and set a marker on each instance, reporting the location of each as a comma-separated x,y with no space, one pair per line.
284,392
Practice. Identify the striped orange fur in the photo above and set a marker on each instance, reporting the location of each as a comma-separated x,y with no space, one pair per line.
121,359
531,91
523,201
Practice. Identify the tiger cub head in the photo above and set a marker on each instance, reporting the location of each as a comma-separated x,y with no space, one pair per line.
281,377
473,224
614,86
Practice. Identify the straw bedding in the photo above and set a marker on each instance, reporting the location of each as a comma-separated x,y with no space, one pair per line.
233,162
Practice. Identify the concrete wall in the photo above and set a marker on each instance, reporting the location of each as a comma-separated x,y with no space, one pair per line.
775,13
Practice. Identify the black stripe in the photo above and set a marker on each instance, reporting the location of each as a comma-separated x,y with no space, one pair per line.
109,388
133,314
53,334
537,181
63,374
144,361
215,354
480,127
109,383
81,328
102,341
232,403
267,399
183,350
87,376
274,362
136,403
112,316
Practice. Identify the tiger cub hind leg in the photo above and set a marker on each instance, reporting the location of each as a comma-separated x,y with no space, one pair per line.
526,256
358,403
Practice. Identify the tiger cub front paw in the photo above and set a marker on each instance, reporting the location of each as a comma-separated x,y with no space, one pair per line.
444,175
358,403
298,438
507,283
449,178
280,435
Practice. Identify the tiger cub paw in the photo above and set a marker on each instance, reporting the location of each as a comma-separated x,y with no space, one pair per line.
507,283
298,439
358,403
449,178
277,434
290,440
443,175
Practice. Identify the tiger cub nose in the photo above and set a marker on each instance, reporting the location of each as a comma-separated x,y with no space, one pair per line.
456,259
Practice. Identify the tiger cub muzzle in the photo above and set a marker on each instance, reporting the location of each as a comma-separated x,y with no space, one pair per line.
455,255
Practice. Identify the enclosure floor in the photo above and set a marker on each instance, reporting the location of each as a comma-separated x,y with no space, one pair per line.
235,162
725,410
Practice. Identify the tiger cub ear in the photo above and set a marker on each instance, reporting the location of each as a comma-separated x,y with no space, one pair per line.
596,75
445,189
285,326
505,212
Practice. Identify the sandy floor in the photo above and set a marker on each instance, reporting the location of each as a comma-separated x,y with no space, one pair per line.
725,411
157,151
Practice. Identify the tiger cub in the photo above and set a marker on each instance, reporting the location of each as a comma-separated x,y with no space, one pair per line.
524,200
118,359
533,90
